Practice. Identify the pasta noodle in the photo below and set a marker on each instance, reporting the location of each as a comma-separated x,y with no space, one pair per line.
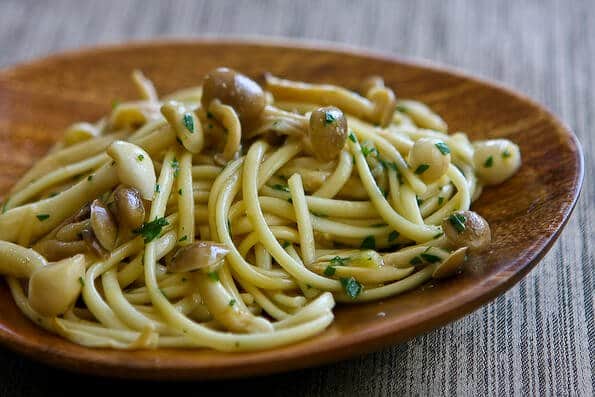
230,217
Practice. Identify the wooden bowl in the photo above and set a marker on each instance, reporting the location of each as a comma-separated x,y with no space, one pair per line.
39,99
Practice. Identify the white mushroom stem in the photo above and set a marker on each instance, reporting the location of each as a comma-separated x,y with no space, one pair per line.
224,309
53,289
134,167
17,261
185,124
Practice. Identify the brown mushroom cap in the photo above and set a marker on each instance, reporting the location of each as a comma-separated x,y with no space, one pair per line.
467,229
328,132
130,209
103,224
199,255
233,89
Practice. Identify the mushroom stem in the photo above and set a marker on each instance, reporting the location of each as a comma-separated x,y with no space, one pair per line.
17,261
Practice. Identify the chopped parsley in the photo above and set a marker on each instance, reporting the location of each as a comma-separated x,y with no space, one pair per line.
430,258
329,271
175,164
289,200
213,276
209,115
232,302
180,191
150,230
329,118
443,147
506,154
489,162
281,188
401,108
157,188
351,286
163,293
140,157
351,136
392,236
82,281
415,261
440,200
90,178
339,261
42,217
421,169
285,244
54,194
188,122
369,150
179,141
183,239
458,222
369,243
378,225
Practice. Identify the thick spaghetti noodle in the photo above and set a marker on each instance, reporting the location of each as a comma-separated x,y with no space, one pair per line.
231,217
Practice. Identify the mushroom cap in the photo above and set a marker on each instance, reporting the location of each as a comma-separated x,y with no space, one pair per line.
467,229
240,92
451,265
54,288
129,207
328,132
198,255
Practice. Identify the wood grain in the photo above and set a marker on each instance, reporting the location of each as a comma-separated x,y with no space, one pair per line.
526,214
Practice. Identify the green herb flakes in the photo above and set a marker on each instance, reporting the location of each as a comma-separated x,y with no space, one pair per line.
281,188
443,147
458,222
415,261
42,217
392,236
421,169
369,243
140,157
329,118
188,122
184,238
351,287
440,200
151,230
339,261
430,258
506,154
213,276
330,271
351,137
82,281
489,162
175,164
232,302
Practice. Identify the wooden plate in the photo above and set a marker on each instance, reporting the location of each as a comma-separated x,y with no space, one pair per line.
527,213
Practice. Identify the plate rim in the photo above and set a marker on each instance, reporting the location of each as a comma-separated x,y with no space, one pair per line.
377,336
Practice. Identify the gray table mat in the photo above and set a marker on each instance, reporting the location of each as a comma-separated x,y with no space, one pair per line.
538,338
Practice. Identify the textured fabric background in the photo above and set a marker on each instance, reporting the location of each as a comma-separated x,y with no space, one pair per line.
539,337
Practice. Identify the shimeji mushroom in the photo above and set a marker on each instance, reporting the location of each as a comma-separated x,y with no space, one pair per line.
467,229
205,258
53,288
231,88
129,207
496,160
134,167
429,158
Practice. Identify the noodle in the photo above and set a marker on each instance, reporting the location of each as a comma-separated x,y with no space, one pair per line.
226,217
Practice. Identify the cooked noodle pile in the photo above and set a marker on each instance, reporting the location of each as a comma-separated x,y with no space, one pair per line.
233,217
